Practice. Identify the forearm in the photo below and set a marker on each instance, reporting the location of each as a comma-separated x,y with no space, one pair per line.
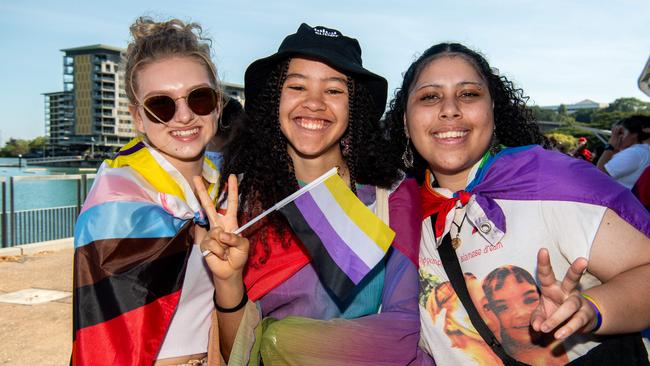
604,158
624,301
380,339
388,338
228,294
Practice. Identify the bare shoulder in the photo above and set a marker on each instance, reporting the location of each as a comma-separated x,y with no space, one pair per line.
618,247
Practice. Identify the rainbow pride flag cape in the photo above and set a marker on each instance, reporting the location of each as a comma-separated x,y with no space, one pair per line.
344,238
132,242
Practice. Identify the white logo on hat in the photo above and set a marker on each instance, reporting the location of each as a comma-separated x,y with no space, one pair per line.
327,33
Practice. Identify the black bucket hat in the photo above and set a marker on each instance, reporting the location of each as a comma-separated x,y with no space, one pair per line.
326,45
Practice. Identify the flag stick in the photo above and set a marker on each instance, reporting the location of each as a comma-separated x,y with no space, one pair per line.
292,197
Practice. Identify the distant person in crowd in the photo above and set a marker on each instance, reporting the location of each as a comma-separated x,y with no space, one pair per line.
586,154
142,289
582,144
581,151
310,107
493,199
628,152
230,120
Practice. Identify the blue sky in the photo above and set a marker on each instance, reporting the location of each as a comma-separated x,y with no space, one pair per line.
557,51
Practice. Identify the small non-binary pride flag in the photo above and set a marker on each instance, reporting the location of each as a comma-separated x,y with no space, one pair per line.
344,238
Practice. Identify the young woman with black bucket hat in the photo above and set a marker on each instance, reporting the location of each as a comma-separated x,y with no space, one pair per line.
310,107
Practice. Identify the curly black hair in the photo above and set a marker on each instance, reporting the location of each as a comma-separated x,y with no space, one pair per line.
259,152
514,122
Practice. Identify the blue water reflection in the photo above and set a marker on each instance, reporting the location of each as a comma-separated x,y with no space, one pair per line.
41,194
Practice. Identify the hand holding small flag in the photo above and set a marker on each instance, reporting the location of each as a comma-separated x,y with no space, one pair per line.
343,237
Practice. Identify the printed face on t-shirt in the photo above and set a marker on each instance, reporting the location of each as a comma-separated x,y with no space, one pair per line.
512,300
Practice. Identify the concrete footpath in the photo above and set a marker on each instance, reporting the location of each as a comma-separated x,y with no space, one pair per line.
39,333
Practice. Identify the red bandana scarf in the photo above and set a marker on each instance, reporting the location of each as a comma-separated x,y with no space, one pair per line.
435,203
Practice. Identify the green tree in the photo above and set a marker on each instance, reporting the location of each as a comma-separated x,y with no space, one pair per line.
584,115
567,119
564,116
605,120
628,105
544,114
37,143
15,147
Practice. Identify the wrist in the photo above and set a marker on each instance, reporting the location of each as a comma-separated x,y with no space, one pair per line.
610,147
597,322
227,293
231,308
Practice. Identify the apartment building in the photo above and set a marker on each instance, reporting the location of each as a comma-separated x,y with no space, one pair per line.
91,113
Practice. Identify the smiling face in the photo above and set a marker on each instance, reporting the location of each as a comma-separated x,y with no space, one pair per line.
449,117
512,301
313,109
182,139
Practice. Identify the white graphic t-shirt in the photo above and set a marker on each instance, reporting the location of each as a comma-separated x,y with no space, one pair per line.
500,270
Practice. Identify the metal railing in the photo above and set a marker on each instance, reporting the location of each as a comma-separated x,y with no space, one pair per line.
33,226
39,224
53,159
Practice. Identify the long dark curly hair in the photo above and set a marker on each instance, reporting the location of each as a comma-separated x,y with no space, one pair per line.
514,122
259,151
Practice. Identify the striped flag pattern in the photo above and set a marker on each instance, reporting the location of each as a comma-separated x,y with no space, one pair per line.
123,306
344,238
132,243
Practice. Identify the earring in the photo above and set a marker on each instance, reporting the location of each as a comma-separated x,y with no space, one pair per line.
494,144
346,145
407,156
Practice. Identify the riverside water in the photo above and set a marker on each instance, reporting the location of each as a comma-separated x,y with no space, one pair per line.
40,194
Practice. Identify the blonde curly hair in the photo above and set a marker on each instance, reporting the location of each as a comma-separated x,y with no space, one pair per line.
153,41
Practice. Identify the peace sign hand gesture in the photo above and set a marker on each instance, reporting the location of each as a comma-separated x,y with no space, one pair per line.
561,304
226,253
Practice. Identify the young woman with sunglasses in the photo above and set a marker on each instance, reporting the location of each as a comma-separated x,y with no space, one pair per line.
143,290
488,208
311,107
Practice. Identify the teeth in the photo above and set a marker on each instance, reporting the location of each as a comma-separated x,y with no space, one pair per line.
450,134
185,133
311,124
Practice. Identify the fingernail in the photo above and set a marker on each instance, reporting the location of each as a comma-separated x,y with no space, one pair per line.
561,334
545,328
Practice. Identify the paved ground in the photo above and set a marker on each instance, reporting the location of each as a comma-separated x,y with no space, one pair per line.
36,334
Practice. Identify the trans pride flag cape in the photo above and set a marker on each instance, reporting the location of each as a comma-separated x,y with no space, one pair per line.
132,242
532,173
